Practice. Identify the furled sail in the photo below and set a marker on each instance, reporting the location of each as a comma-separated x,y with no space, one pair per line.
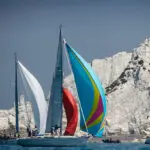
71,110
90,92
54,117
38,95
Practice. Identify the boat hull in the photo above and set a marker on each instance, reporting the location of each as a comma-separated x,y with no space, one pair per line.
147,141
8,142
63,141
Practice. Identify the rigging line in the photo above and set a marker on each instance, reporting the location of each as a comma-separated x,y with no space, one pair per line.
64,41
27,92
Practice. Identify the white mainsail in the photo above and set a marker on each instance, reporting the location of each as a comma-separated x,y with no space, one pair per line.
38,95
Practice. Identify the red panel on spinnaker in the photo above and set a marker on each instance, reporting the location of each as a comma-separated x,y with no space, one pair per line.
71,112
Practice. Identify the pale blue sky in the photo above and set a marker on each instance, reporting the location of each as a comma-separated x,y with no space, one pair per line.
96,28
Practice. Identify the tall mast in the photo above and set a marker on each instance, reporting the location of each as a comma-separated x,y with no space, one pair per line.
60,46
16,96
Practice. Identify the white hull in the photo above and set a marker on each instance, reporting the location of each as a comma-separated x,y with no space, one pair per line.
62,141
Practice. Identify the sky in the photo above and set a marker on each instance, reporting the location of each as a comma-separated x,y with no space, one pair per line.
95,28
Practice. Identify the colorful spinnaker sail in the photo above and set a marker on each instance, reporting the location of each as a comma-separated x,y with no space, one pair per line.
71,110
90,92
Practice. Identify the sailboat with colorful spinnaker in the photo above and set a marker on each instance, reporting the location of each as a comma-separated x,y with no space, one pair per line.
92,104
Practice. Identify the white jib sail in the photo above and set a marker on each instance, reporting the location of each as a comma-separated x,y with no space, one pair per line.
38,95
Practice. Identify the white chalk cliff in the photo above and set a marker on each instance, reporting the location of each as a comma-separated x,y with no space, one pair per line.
7,118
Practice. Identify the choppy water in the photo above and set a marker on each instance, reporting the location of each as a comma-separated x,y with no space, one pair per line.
124,146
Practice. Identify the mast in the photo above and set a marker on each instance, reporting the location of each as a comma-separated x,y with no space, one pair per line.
54,117
60,46
16,97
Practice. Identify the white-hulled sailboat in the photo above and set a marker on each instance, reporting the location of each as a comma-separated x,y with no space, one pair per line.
92,104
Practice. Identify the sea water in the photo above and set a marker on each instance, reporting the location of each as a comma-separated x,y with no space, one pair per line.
97,146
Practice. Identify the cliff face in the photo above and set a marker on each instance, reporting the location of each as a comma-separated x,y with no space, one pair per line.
126,79
7,119
129,94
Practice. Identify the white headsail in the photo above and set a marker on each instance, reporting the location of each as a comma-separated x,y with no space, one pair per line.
54,117
38,95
